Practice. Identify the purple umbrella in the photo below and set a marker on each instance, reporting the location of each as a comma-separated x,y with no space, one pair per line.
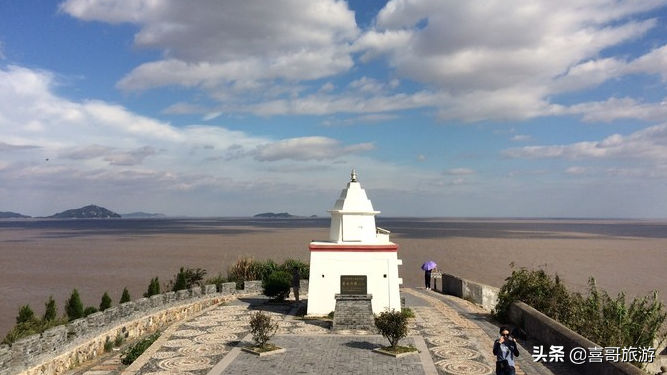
429,265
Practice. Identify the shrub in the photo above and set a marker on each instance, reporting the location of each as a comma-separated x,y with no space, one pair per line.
607,321
537,289
153,288
125,297
106,302
277,285
407,312
262,328
217,281
50,311
118,341
89,310
304,268
25,315
133,352
393,326
241,271
74,307
187,278
108,345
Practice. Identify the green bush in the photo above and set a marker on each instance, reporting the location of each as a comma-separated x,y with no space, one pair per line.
393,326
153,288
277,285
607,321
118,341
73,306
407,312
130,354
187,278
50,309
25,315
262,328
246,268
537,289
89,311
125,297
105,303
304,268
217,281
108,345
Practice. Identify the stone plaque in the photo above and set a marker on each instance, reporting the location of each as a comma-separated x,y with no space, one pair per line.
353,284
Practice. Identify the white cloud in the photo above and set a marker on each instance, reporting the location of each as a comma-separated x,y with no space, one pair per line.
307,148
212,44
88,151
648,144
520,138
460,171
576,170
507,58
475,60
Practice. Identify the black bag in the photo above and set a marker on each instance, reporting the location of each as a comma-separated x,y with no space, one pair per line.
501,365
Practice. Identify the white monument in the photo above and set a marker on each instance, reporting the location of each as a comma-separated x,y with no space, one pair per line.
358,258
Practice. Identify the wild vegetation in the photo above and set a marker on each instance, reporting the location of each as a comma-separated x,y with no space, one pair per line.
130,354
393,326
607,321
246,268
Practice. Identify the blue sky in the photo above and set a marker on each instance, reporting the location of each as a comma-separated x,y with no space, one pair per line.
444,108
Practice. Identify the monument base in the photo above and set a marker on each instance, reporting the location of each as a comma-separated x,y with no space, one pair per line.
354,311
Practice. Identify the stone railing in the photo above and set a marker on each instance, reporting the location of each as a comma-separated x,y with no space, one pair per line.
61,348
548,331
480,294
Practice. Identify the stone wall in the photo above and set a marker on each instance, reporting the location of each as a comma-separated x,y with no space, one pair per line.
541,327
480,294
550,332
61,348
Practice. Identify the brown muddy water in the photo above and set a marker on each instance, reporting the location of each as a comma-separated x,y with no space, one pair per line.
39,258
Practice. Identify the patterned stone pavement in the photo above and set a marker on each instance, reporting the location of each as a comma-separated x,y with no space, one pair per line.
453,335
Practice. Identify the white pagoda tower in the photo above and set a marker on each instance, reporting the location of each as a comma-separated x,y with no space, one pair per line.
358,258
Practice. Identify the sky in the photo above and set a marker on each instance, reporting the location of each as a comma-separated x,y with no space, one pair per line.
445,108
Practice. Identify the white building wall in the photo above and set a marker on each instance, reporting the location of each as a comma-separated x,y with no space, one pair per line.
380,267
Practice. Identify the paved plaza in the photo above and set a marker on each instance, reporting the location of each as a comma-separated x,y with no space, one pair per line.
454,337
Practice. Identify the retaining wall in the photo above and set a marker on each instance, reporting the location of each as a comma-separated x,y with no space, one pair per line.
63,347
480,294
549,331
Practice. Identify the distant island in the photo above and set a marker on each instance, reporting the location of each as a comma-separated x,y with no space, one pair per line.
282,215
12,215
142,215
88,212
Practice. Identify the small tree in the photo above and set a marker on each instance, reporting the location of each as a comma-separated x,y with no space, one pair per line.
262,329
51,311
277,285
153,288
25,315
106,302
74,307
126,296
393,326
187,278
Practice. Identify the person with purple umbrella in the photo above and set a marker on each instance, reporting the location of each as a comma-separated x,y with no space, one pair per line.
428,268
